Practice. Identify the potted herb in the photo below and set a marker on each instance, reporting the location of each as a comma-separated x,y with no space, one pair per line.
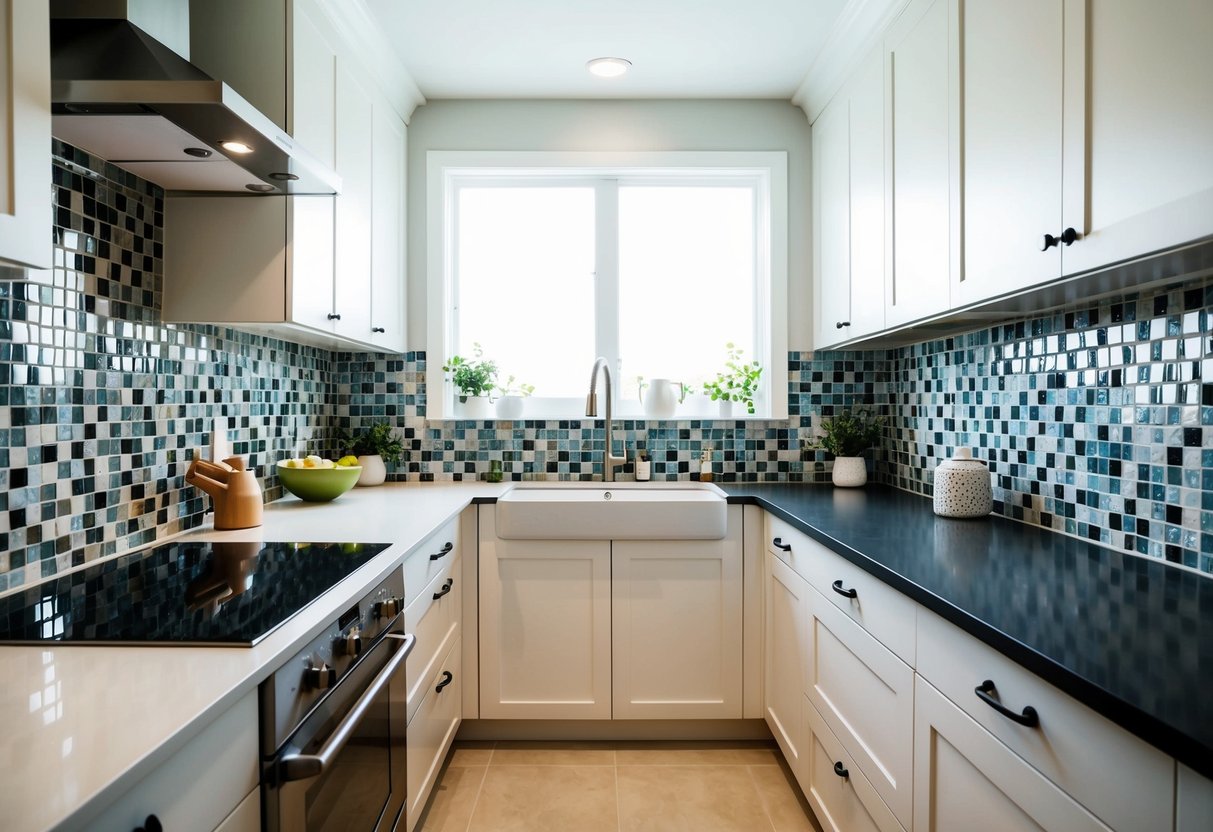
510,400
474,379
847,435
738,382
374,446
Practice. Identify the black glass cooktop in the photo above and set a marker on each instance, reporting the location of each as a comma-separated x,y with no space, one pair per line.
223,593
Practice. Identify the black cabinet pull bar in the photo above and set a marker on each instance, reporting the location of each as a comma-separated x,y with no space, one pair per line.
845,593
985,692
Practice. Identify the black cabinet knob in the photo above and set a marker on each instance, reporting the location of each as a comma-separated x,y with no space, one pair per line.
447,678
1050,242
152,824
841,324
841,771
333,316
378,329
1069,236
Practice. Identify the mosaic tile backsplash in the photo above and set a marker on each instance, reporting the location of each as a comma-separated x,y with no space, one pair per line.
1096,421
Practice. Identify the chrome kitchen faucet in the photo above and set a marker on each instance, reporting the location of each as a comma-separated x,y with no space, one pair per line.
609,461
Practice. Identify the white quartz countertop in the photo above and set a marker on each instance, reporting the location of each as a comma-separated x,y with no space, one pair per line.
83,724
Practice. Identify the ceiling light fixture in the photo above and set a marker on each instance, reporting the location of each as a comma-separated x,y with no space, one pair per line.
235,147
608,67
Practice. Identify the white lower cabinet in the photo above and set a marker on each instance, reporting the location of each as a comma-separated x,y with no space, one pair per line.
432,730
965,779
841,797
1193,801
865,694
786,653
204,785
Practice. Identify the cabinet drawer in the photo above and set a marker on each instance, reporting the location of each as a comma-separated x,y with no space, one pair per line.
866,696
430,558
1193,801
201,784
842,803
435,623
1132,786
246,817
788,544
431,731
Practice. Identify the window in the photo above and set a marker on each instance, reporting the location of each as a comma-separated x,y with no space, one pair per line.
654,261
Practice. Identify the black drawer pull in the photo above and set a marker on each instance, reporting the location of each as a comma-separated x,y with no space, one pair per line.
447,678
985,692
779,544
840,771
845,593
378,329
446,550
446,587
841,324
333,316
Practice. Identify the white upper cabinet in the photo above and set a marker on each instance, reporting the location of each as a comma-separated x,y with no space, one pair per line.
849,209
25,133
388,232
1149,111
1009,75
355,140
918,230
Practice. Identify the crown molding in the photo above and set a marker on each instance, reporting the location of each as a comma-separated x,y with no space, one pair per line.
355,25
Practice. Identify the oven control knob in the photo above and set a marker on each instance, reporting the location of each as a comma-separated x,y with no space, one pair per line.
353,643
388,608
320,678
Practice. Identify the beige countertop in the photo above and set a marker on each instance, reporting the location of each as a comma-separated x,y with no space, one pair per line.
82,724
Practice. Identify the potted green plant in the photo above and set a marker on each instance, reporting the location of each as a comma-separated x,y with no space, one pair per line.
737,382
511,397
375,446
847,435
474,379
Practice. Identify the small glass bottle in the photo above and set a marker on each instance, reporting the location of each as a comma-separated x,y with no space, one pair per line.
644,469
705,465
494,474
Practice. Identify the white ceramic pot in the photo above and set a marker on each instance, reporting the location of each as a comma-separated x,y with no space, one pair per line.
374,471
962,487
662,399
850,471
474,407
726,408
509,407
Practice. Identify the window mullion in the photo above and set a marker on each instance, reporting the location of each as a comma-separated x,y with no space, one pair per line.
606,269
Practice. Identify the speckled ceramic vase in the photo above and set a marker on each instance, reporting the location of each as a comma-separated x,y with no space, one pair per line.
962,487
849,471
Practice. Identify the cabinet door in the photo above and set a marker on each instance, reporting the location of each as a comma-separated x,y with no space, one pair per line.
352,219
1193,801
388,229
1149,110
677,628
785,656
312,83
25,133
832,218
867,197
965,779
310,261
918,234
1010,80
545,628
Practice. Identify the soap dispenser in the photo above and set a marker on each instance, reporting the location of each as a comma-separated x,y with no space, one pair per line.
705,465
234,490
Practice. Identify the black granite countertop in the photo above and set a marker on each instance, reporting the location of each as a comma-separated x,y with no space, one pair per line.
1129,636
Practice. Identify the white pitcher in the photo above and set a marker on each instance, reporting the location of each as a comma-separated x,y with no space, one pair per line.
664,396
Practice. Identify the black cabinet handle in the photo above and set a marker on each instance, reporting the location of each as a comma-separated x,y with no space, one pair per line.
446,550
446,587
845,593
378,329
1069,236
333,316
779,544
985,692
841,771
152,824
841,324
447,678
1050,242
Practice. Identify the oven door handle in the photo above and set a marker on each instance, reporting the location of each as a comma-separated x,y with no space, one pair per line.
304,766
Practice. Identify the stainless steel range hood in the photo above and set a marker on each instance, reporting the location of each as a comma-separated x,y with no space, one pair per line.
119,92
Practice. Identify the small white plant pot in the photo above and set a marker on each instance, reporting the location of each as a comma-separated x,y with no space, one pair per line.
850,471
510,408
726,408
474,407
374,471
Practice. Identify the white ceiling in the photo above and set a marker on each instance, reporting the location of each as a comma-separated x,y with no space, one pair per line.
538,48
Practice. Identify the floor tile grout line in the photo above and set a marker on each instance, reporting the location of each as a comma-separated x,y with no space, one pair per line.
762,801
618,798
476,800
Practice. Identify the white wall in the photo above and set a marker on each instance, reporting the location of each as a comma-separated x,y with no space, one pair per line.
624,126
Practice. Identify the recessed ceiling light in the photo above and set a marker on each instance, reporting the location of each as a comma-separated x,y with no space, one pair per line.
236,147
608,67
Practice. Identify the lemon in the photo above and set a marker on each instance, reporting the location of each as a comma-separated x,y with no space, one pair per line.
347,461
292,463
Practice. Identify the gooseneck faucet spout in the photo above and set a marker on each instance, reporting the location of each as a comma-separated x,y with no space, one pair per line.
609,461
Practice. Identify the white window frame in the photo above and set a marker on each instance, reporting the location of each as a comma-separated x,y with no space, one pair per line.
766,170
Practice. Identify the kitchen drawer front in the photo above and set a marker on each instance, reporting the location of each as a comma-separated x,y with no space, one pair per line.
433,557
790,545
866,696
199,786
1124,781
1194,801
435,623
965,779
877,607
842,804
246,817
431,731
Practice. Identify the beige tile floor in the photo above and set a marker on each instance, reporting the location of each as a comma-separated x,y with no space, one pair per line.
616,787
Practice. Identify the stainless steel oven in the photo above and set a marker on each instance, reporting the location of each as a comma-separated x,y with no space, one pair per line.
333,724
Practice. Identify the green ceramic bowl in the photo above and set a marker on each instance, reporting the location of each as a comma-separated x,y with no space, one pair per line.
318,485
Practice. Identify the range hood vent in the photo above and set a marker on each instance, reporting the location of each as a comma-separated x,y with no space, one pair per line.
122,94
